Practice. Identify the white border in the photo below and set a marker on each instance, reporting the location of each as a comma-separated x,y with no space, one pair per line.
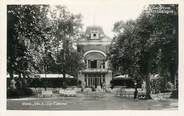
4,112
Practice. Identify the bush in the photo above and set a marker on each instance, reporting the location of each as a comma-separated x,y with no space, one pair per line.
174,94
129,83
17,93
48,82
161,85
53,82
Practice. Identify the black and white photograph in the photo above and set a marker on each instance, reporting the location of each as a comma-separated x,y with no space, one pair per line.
87,56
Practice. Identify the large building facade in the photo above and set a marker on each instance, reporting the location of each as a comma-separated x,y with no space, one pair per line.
94,46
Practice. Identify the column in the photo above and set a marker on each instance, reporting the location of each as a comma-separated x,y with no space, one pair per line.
106,64
86,80
97,79
108,77
86,63
102,78
89,81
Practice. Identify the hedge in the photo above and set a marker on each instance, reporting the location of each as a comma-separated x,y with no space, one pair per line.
129,83
17,93
49,82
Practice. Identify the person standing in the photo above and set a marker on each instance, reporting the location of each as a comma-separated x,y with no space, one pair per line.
136,91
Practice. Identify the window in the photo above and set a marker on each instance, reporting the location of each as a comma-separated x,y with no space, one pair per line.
94,35
92,63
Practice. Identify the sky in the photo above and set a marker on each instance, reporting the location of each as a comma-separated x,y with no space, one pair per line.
105,13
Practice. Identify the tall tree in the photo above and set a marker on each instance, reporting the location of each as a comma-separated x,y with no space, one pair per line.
23,32
166,36
147,45
67,27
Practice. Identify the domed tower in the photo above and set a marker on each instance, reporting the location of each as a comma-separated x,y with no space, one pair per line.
94,46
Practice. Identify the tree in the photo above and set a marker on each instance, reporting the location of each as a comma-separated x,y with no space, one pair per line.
24,34
65,29
166,36
143,47
35,35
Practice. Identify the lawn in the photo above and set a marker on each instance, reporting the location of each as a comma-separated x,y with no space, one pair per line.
88,102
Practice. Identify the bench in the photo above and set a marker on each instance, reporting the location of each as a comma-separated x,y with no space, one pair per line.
67,93
47,93
129,92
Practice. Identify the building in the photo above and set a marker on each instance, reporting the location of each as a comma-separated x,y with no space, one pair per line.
94,46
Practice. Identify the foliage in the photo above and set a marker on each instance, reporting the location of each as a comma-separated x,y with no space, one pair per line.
24,35
129,83
53,82
67,27
35,35
147,45
16,93
174,94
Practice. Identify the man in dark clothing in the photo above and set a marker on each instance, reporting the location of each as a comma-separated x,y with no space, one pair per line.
136,91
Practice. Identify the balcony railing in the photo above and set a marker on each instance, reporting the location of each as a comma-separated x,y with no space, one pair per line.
95,70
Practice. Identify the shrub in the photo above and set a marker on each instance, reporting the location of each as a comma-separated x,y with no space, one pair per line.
129,83
174,94
161,85
17,93
53,82
49,82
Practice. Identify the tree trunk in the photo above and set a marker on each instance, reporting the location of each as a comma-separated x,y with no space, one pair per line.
64,75
63,64
45,83
148,88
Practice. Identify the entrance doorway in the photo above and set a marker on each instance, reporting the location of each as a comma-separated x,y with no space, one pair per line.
94,80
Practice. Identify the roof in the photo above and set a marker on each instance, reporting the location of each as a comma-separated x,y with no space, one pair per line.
91,29
95,71
54,76
47,76
122,77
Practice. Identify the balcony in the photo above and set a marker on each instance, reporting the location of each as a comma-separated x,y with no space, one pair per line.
95,70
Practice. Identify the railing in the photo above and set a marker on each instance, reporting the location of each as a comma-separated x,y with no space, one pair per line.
95,70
